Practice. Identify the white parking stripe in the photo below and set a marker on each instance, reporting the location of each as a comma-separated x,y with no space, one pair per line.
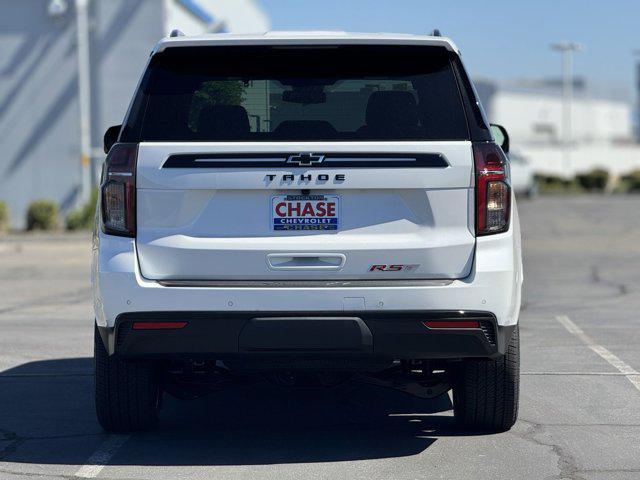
627,370
101,457
577,374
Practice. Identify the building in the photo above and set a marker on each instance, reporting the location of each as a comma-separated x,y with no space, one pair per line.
534,114
39,89
602,131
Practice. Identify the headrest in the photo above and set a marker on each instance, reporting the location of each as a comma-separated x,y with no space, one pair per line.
223,122
394,109
305,129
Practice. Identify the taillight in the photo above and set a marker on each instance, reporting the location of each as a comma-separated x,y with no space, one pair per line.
493,191
118,190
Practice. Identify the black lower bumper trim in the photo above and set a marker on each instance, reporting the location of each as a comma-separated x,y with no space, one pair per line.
327,335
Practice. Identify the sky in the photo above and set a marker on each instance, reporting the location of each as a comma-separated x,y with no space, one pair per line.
499,39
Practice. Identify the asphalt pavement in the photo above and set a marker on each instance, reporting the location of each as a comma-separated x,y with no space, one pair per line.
580,391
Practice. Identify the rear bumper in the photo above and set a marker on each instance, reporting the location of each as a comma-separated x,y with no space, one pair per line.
219,312
274,338
493,286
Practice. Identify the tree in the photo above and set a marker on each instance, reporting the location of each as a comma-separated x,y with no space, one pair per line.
215,92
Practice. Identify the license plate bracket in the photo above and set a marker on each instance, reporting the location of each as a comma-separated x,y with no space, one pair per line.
291,212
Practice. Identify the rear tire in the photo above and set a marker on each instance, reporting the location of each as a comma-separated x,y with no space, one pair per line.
127,393
485,394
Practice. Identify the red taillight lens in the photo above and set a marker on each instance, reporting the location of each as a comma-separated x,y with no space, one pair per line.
118,191
493,191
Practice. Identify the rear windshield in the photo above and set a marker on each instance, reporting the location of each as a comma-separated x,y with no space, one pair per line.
298,93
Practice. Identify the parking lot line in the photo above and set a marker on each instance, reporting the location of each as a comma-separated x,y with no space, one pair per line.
577,374
627,370
101,457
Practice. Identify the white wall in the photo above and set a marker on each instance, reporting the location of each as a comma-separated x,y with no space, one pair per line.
178,17
236,16
39,129
617,159
602,130
533,118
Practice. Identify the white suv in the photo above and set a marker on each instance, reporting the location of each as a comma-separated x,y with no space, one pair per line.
306,206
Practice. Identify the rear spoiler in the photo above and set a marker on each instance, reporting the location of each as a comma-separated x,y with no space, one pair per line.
303,39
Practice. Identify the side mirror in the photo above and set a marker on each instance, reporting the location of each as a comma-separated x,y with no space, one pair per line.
501,136
111,137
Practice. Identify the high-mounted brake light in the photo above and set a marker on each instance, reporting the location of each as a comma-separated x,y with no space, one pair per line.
118,191
493,190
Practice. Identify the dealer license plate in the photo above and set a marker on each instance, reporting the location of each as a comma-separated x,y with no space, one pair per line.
305,212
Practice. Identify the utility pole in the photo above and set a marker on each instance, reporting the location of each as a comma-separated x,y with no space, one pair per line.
636,53
84,96
567,50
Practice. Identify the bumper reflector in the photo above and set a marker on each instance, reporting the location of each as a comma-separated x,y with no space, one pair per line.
451,324
159,325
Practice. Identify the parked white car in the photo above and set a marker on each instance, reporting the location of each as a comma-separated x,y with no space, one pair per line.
306,204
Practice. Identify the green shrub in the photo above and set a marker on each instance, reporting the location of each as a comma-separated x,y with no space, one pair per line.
556,184
4,217
594,181
75,220
631,182
42,215
82,218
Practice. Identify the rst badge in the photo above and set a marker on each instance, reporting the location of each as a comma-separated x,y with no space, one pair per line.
305,212
393,268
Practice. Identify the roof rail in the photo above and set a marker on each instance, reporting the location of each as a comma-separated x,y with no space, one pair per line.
436,33
176,33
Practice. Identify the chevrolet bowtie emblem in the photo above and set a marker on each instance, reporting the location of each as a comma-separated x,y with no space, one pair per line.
305,159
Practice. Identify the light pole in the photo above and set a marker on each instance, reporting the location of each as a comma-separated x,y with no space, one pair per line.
567,50
84,95
636,54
